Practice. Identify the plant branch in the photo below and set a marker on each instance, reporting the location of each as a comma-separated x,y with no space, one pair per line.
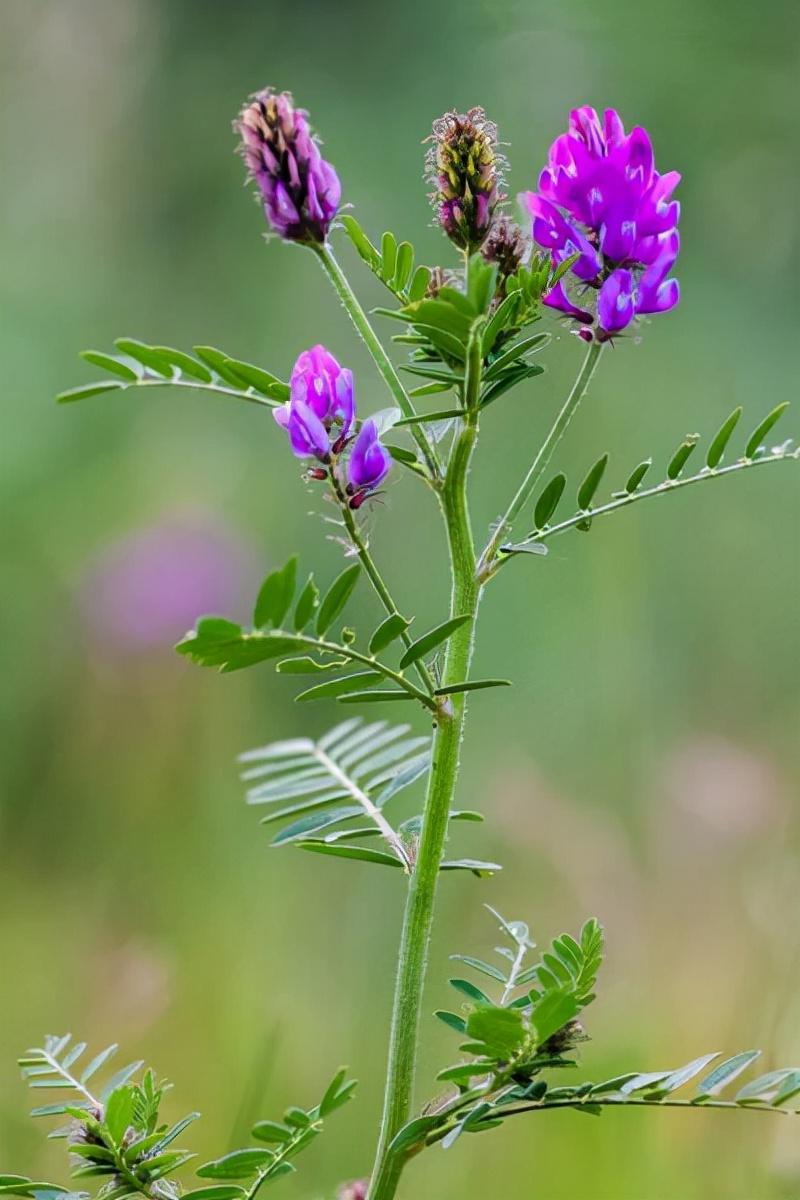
373,574
381,359
660,489
488,560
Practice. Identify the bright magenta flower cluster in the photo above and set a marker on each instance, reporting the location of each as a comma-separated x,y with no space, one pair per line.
601,198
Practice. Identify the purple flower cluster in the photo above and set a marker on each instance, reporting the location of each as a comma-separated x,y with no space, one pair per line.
600,197
299,189
319,419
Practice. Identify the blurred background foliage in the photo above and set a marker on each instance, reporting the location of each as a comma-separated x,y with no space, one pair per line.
646,766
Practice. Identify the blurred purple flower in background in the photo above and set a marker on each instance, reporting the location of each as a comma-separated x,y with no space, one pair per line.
147,588
300,191
601,198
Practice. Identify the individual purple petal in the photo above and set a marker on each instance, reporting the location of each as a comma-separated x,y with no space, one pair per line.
618,237
613,128
308,437
563,239
557,298
615,302
658,298
584,124
344,406
282,414
369,461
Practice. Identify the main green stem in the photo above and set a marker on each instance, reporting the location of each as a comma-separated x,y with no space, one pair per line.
489,560
381,359
418,917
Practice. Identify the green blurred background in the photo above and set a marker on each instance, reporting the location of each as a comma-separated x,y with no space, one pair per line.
645,767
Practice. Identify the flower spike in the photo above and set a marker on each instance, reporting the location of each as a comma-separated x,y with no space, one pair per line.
300,191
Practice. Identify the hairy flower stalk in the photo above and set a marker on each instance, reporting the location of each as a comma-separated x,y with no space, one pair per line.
601,198
300,191
463,166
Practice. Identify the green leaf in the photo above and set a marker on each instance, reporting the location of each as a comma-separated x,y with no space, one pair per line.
404,264
239,1164
445,414
340,687
338,1092
258,379
726,1072
501,1029
109,363
476,865
361,242
474,685
184,363
118,1112
336,598
430,640
99,1061
637,475
681,455
547,503
148,356
272,1131
478,964
764,1088
375,697
306,604
276,595
419,283
677,1079
514,353
761,431
451,1020
469,989
721,439
388,255
591,483
388,631
89,389
361,853
221,363
214,1193
552,1012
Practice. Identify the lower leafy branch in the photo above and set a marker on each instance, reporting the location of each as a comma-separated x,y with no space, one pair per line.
532,1028
115,1133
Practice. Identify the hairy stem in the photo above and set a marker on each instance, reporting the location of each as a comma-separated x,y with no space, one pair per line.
418,917
489,560
381,359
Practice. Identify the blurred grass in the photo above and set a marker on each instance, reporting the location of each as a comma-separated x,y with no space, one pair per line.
646,766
